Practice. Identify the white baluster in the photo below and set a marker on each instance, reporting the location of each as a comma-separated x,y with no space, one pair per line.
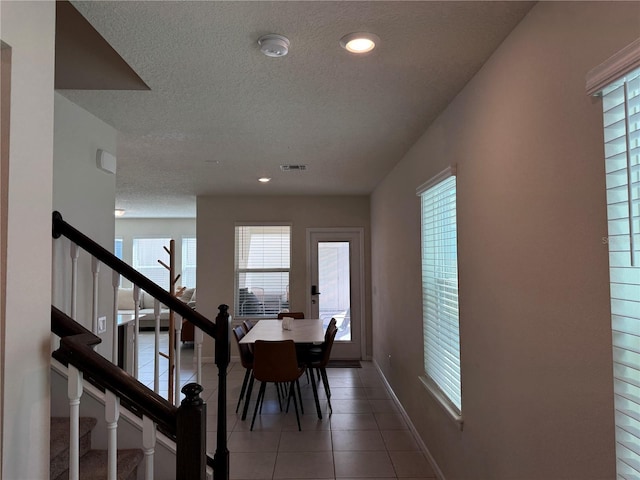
148,445
198,337
178,328
156,366
136,312
75,252
115,281
111,416
74,391
95,270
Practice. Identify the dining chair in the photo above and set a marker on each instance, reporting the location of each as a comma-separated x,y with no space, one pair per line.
246,359
320,359
296,315
276,361
249,324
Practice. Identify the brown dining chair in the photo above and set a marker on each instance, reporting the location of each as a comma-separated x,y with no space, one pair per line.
296,315
320,360
246,359
249,324
276,361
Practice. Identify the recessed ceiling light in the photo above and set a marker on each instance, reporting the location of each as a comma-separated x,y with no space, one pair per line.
359,42
119,212
264,179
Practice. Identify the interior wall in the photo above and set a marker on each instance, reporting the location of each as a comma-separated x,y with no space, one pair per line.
28,28
85,196
537,391
216,220
175,228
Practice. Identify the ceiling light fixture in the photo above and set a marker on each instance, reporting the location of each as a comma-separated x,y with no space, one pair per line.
273,45
264,179
359,42
119,212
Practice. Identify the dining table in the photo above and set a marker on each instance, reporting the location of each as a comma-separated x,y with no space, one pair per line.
303,331
307,330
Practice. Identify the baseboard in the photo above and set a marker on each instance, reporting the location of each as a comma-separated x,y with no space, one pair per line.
416,436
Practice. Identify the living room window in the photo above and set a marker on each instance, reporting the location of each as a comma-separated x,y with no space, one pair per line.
117,248
188,277
262,262
620,93
146,253
441,339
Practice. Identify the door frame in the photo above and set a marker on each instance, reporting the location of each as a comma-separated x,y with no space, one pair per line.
359,232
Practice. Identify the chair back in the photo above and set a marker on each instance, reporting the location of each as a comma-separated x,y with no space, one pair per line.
331,322
296,315
246,357
329,337
249,324
275,361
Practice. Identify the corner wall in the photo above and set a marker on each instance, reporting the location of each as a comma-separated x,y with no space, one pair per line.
28,28
85,196
535,324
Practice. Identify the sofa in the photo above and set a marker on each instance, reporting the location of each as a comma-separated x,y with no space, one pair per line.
126,306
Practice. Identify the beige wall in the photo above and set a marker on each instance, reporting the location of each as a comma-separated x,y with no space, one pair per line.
533,269
85,196
216,220
28,28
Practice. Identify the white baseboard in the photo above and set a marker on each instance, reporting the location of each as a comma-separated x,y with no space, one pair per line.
416,436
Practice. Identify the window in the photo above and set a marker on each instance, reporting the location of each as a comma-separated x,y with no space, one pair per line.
146,253
188,276
262,269
621,106
117,248
440,291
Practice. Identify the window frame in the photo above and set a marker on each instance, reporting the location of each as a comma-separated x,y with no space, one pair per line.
238,271
445,395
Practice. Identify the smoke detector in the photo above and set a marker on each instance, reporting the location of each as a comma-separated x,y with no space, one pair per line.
273,45
293,168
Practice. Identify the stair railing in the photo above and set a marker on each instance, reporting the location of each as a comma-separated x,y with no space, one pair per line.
109,376
186,424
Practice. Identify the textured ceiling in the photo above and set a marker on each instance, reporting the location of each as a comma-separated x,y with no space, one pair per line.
219,114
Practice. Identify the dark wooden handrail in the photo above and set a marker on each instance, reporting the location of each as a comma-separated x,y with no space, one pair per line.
62,228
77,349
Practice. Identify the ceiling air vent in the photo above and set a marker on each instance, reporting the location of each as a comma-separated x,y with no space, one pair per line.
293,168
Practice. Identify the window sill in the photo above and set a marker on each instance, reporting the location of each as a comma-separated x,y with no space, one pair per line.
451,411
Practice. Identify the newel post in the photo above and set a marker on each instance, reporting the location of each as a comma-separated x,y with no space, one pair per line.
191,451
222,358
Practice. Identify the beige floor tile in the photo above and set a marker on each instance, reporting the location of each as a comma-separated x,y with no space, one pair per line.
399,440
254,441
251,465
357,440
351,405
305,441
347,393
363,464
299,465
359,421
391,421
383,406
411,465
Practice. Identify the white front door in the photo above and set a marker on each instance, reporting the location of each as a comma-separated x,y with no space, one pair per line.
335,285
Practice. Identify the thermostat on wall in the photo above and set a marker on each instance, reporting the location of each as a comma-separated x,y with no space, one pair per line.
106,161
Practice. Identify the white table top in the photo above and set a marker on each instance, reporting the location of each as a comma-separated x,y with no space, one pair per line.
308,330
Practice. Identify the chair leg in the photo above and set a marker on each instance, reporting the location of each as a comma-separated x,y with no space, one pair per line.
246,401
327,389
263,386
292,393
315,392
300,397
244,388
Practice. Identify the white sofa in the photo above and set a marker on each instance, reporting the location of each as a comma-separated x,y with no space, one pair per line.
126,306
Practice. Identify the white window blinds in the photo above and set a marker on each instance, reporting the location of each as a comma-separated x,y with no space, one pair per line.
621,106
440,286
146,253
188,277
262,269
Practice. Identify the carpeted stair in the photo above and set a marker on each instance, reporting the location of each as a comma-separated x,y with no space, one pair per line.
93,463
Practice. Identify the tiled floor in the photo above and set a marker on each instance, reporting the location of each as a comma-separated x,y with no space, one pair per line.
365,437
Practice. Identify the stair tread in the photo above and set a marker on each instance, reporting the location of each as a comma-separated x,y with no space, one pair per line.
94,464
59,438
